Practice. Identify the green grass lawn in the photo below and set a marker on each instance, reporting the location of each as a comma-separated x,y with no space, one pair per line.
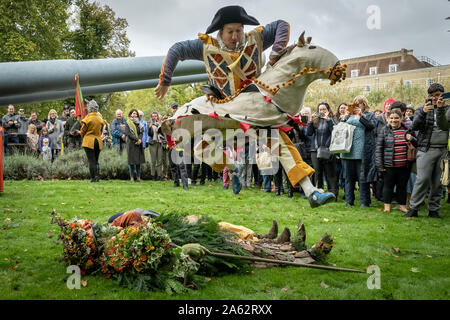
412,254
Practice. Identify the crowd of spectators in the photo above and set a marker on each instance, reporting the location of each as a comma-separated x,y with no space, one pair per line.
395,156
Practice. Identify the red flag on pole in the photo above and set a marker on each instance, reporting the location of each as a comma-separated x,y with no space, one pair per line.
79,102
1,159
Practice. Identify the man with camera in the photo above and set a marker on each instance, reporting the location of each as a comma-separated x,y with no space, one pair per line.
432,126
11,124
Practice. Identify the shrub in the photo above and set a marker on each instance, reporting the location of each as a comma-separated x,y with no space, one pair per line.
71,165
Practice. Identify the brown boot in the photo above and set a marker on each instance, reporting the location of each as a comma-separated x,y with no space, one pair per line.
301,230
299,238
273,232
285,236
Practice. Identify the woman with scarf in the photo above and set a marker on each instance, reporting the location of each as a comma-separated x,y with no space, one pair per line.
91,132
134,132
56,132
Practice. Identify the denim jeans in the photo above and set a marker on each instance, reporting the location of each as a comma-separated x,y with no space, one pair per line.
352,171
135,168
267,182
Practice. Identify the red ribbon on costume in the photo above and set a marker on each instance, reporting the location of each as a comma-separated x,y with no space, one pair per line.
268,99
298,121
176,120
244,126
245,83
214,115
284,129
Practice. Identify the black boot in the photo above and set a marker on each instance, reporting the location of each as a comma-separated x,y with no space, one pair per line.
97,173
92,174
285,236
433,214
290,192
411,213
278,191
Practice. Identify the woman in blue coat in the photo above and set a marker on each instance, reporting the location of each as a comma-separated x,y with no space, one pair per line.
359,163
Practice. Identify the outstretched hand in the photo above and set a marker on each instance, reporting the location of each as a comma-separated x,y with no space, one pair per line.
194,250
161,90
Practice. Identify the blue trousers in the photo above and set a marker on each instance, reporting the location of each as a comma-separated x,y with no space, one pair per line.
352,172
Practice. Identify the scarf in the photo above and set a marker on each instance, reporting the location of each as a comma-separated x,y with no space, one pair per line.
132,122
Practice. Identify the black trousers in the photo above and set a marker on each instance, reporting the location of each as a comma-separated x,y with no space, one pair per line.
178,169
208,173
328,167
398,177
92,155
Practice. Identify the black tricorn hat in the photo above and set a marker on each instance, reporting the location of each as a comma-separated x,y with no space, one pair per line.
230,14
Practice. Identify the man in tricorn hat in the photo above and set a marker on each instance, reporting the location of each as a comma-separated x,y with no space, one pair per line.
230,45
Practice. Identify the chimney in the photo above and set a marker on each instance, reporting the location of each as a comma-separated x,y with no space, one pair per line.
404,53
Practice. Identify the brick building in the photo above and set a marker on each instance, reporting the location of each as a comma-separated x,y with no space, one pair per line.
380,70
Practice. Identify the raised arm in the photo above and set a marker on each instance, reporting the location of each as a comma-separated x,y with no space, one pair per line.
180,51
275,34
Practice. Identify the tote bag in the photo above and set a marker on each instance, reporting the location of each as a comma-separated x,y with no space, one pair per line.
342,138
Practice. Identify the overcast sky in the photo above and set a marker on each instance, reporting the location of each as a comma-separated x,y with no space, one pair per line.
348,28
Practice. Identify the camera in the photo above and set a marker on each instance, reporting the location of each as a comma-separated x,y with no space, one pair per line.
429,100
319,114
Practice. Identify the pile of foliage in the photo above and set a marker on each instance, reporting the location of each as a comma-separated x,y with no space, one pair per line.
79,244
144,258
206,232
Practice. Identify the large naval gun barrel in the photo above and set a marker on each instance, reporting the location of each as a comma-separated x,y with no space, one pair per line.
46,80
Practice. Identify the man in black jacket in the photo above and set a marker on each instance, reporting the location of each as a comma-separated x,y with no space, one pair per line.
433,128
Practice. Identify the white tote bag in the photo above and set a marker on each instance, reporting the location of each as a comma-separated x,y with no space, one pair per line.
342,138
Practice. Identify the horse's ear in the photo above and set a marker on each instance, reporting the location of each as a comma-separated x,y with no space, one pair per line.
308,40
301,40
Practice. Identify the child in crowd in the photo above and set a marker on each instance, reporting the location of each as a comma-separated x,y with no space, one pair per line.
46,151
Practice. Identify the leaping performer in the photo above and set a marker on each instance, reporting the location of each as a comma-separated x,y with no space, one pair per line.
239,96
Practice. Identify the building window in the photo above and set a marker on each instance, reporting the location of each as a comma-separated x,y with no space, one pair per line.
367,88
408,83
393,67
355,73
373,71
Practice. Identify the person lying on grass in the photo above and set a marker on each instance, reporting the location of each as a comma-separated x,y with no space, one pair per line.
145,250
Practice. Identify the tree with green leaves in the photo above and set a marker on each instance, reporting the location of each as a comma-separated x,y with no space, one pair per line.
60,29
33,30
98,33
